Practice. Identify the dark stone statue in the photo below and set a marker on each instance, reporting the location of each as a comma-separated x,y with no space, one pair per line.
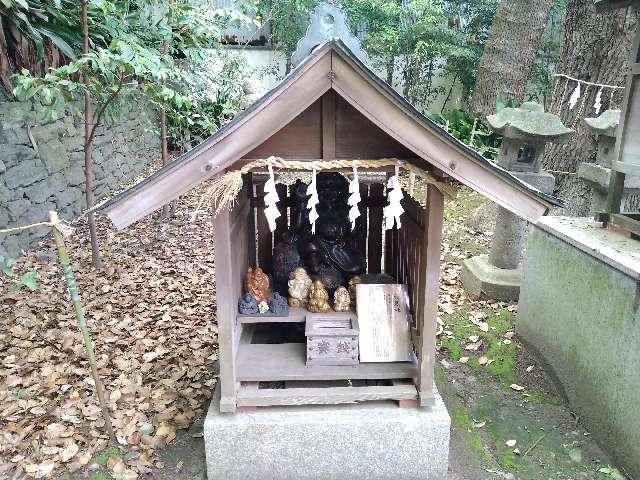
248,305
326,255
278,304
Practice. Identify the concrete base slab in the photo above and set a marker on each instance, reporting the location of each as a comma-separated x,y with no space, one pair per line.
367,441
481,278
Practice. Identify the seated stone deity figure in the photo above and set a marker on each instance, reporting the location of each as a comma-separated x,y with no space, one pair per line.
325,254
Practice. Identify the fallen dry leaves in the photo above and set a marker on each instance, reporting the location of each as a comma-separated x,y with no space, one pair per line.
151,312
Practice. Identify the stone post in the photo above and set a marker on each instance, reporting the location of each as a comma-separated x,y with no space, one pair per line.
525,132
507,241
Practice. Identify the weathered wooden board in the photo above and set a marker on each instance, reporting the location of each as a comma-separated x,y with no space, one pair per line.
230,234
302,138
428,322
324,396
358,137
286,361
296,315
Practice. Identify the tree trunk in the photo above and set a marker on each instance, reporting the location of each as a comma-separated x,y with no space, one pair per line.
88,160
596,48
509,53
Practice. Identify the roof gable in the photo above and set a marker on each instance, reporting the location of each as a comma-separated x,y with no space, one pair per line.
331,66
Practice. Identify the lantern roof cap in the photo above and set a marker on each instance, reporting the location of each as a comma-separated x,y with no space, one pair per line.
529,121
605,124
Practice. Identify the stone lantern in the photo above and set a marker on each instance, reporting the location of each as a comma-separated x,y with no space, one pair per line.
597,175
526,131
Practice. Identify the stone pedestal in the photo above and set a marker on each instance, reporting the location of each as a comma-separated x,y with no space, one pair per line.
483,279
367,441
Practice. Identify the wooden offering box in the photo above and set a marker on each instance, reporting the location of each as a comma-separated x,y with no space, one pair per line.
332,339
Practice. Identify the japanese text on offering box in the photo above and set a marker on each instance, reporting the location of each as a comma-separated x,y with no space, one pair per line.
384,327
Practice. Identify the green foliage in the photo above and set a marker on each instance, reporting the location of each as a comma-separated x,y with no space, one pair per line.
288,19
471,131
39,20
429,37
29,280
135,56
213,86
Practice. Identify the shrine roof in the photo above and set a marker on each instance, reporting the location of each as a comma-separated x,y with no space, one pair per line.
374,98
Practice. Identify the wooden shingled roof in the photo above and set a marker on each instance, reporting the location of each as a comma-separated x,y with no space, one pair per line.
331,66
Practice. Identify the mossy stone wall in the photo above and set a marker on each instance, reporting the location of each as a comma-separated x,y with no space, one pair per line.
581,314
42,164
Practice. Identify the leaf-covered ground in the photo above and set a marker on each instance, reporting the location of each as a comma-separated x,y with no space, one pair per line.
151,311
152,314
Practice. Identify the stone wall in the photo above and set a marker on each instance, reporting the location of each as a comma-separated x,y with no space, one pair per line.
41,164
580,309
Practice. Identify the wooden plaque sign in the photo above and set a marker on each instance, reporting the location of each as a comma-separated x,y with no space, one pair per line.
383,316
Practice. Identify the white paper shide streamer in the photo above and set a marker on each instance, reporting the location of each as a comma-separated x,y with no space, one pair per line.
598,103
312,191
270,200
393,211
354,199
575,96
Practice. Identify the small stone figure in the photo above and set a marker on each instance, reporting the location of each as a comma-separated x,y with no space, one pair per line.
352,290
278,304
263,307
299,286
318,298
256,283
341,300
248,305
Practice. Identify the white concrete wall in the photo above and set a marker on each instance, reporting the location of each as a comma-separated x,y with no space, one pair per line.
270,66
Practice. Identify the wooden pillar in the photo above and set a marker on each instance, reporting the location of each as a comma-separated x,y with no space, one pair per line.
329,126
226,309
429,297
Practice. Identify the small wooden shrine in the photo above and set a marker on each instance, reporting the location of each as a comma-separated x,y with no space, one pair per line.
331,114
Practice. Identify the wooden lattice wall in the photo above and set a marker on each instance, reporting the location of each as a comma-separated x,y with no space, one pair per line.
400,257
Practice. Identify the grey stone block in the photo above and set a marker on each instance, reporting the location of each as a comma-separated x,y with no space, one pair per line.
75,175
14,154
38,192
368,441
45,133
57,182
17,208
70,196
54,156
23,174
481,278
4,217
598,177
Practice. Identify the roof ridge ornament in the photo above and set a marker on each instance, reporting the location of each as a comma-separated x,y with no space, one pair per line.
327,22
